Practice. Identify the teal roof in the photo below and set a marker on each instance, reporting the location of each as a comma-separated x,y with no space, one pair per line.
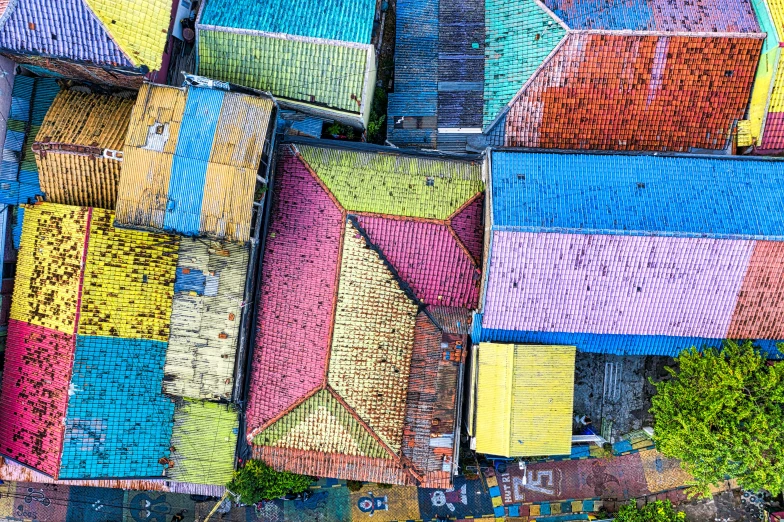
345,20
519,36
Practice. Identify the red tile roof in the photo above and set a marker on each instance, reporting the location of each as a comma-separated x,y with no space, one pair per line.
35,395
636,92
298,287
762,283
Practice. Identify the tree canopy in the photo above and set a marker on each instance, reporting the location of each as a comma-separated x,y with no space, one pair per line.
721,415
657,511
256,481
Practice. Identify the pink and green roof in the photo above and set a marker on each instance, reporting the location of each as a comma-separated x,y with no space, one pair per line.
345,276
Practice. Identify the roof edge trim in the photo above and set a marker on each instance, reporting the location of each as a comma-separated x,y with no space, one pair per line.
690,34
528,82
636,233
283,36
252,434
552,14
363,423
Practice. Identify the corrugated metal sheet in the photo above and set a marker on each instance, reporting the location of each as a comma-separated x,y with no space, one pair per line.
191,160
204,438
78,179
241,131
495,387
200,121
93,120
186,190
524,400
204,328
142,194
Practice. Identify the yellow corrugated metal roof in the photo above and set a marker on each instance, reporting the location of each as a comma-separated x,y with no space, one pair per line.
524,399
79,180
157,114
91,120
493,398
242,129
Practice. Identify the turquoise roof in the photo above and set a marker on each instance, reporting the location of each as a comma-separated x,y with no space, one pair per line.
519,36
345,20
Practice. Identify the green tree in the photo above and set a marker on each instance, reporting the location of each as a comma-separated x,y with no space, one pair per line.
721,415
658,511
256,481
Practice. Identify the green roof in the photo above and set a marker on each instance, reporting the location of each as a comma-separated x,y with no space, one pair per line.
204,439
519,36
400,185
321,423
315,73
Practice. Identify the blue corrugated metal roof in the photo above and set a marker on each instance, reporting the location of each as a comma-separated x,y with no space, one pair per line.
346,20
199,123
186,192
641,195
617,344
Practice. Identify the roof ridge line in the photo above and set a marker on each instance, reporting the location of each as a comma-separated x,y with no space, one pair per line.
335,291
362,422
314,174
296,404
690,34
476,262
405,287
110,35
284,36
528,82
398,217
552,14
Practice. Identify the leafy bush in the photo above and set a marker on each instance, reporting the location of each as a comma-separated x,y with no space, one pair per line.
722,415
354,485
658,511
256,481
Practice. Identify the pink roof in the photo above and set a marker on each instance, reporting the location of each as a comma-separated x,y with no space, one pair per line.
427,257
298,286
467,224
38,364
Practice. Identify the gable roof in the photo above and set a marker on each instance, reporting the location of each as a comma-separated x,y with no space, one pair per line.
126,33
637,194
71,148
190,161
361,280
346,20
633,254
771,91
315,54
702,16
524,398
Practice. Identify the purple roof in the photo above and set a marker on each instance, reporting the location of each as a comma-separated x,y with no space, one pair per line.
605,284
61,28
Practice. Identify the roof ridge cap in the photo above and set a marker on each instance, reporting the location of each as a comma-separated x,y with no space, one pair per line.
109,34
362,422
